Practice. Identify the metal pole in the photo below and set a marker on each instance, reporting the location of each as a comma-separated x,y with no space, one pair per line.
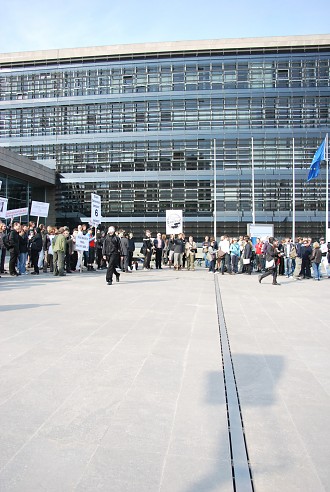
214,191
293,194
253,197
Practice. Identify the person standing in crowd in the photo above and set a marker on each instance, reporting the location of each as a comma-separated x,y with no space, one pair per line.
212,256
224,248
159,245
171,247
147,248
43,234
179,245
288,248
23,250
35,248
306,252
59,250
205,249
99,245
80,252
235,252
124,248
14,248
271,257
112,251
324,251
241,243
316,259
91,251
191,250
51,236
259,255
247,256
131,249
298,260
3,249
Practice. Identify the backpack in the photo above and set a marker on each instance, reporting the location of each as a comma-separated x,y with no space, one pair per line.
6,241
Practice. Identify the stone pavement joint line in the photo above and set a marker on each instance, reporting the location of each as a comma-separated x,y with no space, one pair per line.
241,470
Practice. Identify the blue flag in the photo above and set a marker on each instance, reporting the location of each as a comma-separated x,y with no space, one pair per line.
319,156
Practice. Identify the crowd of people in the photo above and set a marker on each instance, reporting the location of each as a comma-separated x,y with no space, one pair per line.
55,250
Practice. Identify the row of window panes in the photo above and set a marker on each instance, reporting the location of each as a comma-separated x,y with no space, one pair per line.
269,196
215,75
246,113
174,156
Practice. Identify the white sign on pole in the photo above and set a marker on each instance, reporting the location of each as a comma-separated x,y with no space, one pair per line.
82,242
39,209
17,212
95,209
260,230
3,207
174,221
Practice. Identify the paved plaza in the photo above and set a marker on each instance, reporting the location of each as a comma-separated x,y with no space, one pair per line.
122,387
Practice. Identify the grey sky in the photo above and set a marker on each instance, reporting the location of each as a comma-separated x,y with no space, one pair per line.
39,24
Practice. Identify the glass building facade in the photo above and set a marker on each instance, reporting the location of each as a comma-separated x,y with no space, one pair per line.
144,127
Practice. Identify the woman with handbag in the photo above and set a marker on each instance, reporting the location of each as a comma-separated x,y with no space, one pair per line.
272,256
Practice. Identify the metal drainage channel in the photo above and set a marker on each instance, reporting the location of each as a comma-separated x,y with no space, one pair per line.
240,464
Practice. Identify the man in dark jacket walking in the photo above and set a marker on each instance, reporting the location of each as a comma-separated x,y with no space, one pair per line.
112,251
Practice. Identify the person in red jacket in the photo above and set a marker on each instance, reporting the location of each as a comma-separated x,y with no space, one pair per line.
259,255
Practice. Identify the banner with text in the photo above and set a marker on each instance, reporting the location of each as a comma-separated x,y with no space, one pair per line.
82,243
95,209
3,207
39,209
17,212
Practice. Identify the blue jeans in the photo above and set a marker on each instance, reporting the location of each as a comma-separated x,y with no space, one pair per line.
207,262
22,262
288,266
316,270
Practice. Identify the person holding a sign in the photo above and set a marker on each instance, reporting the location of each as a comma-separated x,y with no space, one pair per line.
112,251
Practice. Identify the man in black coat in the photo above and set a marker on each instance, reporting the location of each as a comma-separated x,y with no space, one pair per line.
112,251
36,247
14,248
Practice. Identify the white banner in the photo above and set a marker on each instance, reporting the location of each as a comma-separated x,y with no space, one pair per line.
39,209
95,209
3,207
82,243
17,212
174,221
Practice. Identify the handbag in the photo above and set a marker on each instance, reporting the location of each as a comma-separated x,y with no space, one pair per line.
246,261
270,263
220,254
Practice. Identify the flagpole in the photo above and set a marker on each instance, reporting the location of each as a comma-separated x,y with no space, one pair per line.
253,198
214,191
293,194
327,189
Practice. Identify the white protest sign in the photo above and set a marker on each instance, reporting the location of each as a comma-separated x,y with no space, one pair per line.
82,243
95,209
17,212
3,207
39,209
173,221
